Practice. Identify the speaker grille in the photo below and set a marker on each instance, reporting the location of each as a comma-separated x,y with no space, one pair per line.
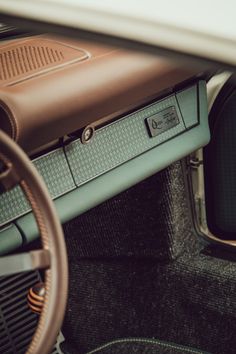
26,58
17,321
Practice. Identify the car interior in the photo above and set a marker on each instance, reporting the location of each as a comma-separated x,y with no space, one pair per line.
117,199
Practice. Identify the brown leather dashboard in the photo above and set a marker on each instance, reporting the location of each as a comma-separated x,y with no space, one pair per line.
52,86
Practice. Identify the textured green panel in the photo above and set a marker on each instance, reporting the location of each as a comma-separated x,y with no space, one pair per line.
55,172
119,142
54,169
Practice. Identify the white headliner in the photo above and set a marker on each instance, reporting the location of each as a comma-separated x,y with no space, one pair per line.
205,27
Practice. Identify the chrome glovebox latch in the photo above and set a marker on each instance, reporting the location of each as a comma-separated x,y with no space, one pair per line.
195,162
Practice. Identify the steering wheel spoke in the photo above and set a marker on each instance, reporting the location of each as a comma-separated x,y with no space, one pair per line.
23,262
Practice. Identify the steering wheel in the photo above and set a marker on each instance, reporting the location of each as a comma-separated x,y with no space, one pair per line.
18,169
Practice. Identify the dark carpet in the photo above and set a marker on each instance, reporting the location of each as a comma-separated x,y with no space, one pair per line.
137,269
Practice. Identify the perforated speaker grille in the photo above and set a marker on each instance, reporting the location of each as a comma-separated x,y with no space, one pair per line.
26,58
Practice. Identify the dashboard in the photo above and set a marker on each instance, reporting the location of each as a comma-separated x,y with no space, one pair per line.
107,120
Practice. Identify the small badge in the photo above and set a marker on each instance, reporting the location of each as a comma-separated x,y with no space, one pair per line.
162,121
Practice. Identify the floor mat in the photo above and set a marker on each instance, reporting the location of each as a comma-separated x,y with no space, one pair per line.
186,303
137,270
